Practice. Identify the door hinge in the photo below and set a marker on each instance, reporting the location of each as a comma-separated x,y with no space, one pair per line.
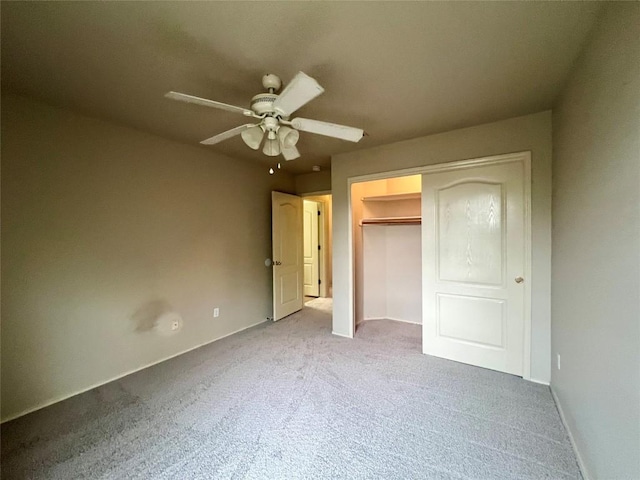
319,282
318,212
318,247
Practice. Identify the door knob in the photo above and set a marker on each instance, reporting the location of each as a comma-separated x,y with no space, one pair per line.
519,279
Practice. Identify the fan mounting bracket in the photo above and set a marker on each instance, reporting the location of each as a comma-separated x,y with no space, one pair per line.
271,82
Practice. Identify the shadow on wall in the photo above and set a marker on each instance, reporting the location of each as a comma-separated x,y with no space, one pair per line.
144,319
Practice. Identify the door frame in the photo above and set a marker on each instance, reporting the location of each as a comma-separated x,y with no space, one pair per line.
322,239
318,249
322,259
525,159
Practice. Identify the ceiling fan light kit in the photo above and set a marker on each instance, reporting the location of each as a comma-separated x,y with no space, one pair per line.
290,153
252,136
288,137
271,146
273,111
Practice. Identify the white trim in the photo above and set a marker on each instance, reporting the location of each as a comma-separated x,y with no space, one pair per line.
350,280
404,321
541,382
525,158
581,465
441,167
526,352
340,334
390,319
322,255
118,377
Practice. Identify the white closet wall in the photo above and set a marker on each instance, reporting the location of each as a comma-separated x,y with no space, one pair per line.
388,257
392,271
374,284
358,191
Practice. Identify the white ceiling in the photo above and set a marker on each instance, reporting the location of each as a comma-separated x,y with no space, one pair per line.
398,70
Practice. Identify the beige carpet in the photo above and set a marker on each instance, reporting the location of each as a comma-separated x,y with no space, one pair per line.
288,400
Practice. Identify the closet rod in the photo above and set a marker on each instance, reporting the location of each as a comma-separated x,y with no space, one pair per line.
391,221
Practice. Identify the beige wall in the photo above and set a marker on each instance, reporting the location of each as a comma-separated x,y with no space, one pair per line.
596,248
317,182
528,133
103,227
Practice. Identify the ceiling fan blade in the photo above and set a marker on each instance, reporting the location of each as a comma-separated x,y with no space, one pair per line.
225,135
300,91
183,97
329,129
290,153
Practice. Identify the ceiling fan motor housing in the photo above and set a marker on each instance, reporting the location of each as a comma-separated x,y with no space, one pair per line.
263,103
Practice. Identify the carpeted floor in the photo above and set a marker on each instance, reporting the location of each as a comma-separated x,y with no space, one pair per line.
289,400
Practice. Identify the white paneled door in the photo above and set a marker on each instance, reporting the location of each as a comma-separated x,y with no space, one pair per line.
473,265
286,226
310,248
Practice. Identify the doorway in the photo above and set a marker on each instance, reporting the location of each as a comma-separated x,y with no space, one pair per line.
317,246
288,221
386,215
476,323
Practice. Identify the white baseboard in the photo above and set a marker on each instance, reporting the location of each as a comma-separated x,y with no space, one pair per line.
404,321
392,319
581,464
99,384
541,382
340,335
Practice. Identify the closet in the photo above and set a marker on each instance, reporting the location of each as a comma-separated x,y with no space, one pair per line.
387,237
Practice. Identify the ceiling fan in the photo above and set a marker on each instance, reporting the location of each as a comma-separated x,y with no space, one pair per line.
273,111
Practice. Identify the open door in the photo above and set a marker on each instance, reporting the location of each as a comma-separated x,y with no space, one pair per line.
311,248
473,265
286,228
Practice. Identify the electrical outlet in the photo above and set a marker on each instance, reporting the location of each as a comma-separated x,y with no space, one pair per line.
558,361
216,312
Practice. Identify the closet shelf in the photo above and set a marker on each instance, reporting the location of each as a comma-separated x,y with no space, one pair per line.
392,198
413,220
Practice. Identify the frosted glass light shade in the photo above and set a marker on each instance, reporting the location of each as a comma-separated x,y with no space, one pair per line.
288,137
271,147
252,136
